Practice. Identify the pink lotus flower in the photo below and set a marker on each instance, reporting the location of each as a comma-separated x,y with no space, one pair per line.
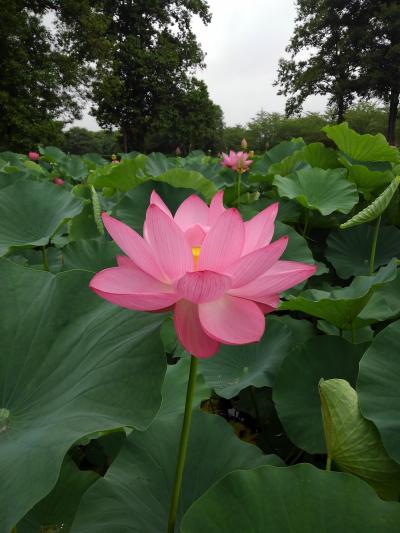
115,161
239,162
58,181
220,275
33,156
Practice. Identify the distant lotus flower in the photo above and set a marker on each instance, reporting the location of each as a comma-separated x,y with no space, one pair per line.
178,151
33,156
115,161
243,144
58,181
220,275
239,162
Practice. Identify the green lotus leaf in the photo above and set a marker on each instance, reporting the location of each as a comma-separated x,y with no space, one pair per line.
135,493
238,367
317,189
342,307
71,364
319,156
297,400
91,254
124,175
349,251
31,212
133,206
57,511
361,147
378,387
298,499
353,443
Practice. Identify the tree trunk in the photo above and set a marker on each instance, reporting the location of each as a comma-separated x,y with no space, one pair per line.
340,109
393,111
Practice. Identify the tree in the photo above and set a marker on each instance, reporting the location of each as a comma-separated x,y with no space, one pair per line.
38,81
379,48
147,55
82,141
323,29
192,122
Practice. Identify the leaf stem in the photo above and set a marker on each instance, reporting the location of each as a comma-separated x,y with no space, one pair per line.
328,463
45,259
373,246
183,445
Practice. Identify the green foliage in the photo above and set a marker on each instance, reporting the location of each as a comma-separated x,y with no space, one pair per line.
375,209
57,375
300,498
353,443
377,387
38,80
93,395
317,189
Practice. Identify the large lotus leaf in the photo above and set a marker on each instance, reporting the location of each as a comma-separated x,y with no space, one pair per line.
70,364
342,307
349,250
73,167
158,164
317,189
125,175
135,493
132,208
297,399
378,387
384,303
299,499
188,179
52,154
174,390
56,512
31,212
83,226
91,254
361,147
285,149
368,180
237,367
288,164
317,155
353,443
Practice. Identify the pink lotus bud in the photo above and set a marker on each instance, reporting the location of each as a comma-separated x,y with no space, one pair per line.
33,156
243,144
178,151
115,161
58,181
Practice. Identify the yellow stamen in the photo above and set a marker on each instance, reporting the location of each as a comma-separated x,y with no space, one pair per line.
196,253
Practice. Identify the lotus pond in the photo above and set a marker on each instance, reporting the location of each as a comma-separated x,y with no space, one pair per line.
291,416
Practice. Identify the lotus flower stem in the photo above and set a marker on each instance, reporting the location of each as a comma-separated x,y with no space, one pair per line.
45,259
373,247
238,184
183,445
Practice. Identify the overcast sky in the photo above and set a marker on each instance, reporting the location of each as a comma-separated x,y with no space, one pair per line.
243,44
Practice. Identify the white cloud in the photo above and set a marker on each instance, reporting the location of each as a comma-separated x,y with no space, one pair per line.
243,44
